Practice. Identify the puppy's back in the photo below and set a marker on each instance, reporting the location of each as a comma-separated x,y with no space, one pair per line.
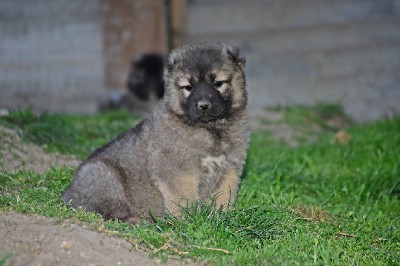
114,180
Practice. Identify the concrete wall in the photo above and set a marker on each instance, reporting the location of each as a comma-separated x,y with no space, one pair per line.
307,51
61,55
57,55
51,54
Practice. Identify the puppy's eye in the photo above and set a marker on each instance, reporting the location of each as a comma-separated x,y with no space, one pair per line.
187,87
218,84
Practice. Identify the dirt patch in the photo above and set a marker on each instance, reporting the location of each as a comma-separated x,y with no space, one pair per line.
36,240
16,155
273,123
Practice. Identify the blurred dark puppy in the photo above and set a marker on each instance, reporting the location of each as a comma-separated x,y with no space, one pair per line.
145,86
145,77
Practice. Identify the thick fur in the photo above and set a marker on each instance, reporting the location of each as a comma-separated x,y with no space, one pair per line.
192,148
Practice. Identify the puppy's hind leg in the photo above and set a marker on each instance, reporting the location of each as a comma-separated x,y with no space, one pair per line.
99,185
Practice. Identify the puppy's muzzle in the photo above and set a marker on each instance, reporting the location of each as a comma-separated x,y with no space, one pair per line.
203,105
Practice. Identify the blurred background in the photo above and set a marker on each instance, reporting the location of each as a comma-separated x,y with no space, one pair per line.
61,56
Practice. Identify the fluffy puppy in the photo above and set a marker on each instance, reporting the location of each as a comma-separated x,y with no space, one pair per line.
192,148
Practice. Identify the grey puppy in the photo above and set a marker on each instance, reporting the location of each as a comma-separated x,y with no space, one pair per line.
192,148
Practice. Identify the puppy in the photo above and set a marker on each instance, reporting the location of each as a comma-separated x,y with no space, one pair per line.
145,77
145,86
192,148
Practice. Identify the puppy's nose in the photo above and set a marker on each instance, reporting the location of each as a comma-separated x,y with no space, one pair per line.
203,105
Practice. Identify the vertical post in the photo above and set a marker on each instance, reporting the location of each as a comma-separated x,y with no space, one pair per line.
168,24
177,22
129,29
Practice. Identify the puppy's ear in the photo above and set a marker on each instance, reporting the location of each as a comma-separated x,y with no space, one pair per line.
233,54
170,63
175,56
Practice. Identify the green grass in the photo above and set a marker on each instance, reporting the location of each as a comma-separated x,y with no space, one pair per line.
71,134
316,204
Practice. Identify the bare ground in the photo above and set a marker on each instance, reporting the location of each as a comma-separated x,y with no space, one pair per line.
36,240
15,155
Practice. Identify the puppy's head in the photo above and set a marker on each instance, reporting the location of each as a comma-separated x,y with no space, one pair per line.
145,76
205,82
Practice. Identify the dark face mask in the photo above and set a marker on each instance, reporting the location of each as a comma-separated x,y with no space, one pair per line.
205,104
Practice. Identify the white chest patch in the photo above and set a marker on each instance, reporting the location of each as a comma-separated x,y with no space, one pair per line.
212,164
